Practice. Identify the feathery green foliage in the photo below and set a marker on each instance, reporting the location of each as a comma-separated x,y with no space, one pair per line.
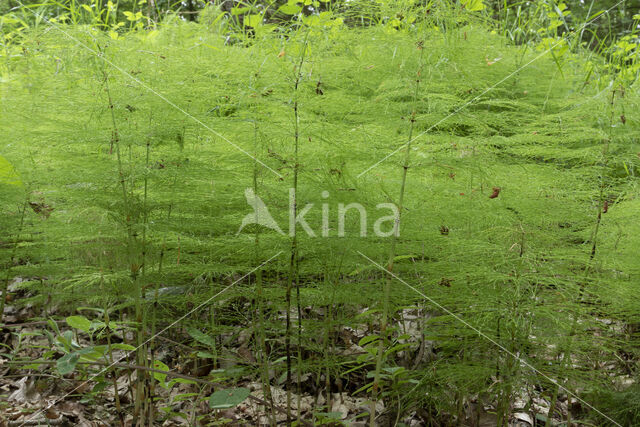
504,191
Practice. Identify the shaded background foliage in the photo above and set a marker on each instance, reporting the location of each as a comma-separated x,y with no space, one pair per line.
617,23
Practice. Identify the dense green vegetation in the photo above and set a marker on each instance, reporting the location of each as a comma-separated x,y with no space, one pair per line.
506,136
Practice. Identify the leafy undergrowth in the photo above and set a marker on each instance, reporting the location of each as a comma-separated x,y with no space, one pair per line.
136,165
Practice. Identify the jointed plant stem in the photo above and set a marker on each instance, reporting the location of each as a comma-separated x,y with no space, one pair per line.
114,375
293,263
376,388
143,323
135,264
261,335
566,359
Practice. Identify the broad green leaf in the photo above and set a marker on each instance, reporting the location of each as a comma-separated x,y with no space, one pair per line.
53,325
368,339
100,386
290,9
67,363
161,378
97,324
201,337
122,346
252,20
474,5
311,20
79,322
101,349
133,17
93,353
239,10
65,341
394,369
224,399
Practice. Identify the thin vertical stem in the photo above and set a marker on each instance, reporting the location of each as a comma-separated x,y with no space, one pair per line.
293,263
134,265
145,221
376,388
114,375
263,358
566,360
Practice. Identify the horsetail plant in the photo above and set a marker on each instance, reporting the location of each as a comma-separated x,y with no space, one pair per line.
525,135
386,309
292,277
135,260
261,335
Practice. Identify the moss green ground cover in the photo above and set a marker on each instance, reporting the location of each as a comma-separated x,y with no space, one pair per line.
517,267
